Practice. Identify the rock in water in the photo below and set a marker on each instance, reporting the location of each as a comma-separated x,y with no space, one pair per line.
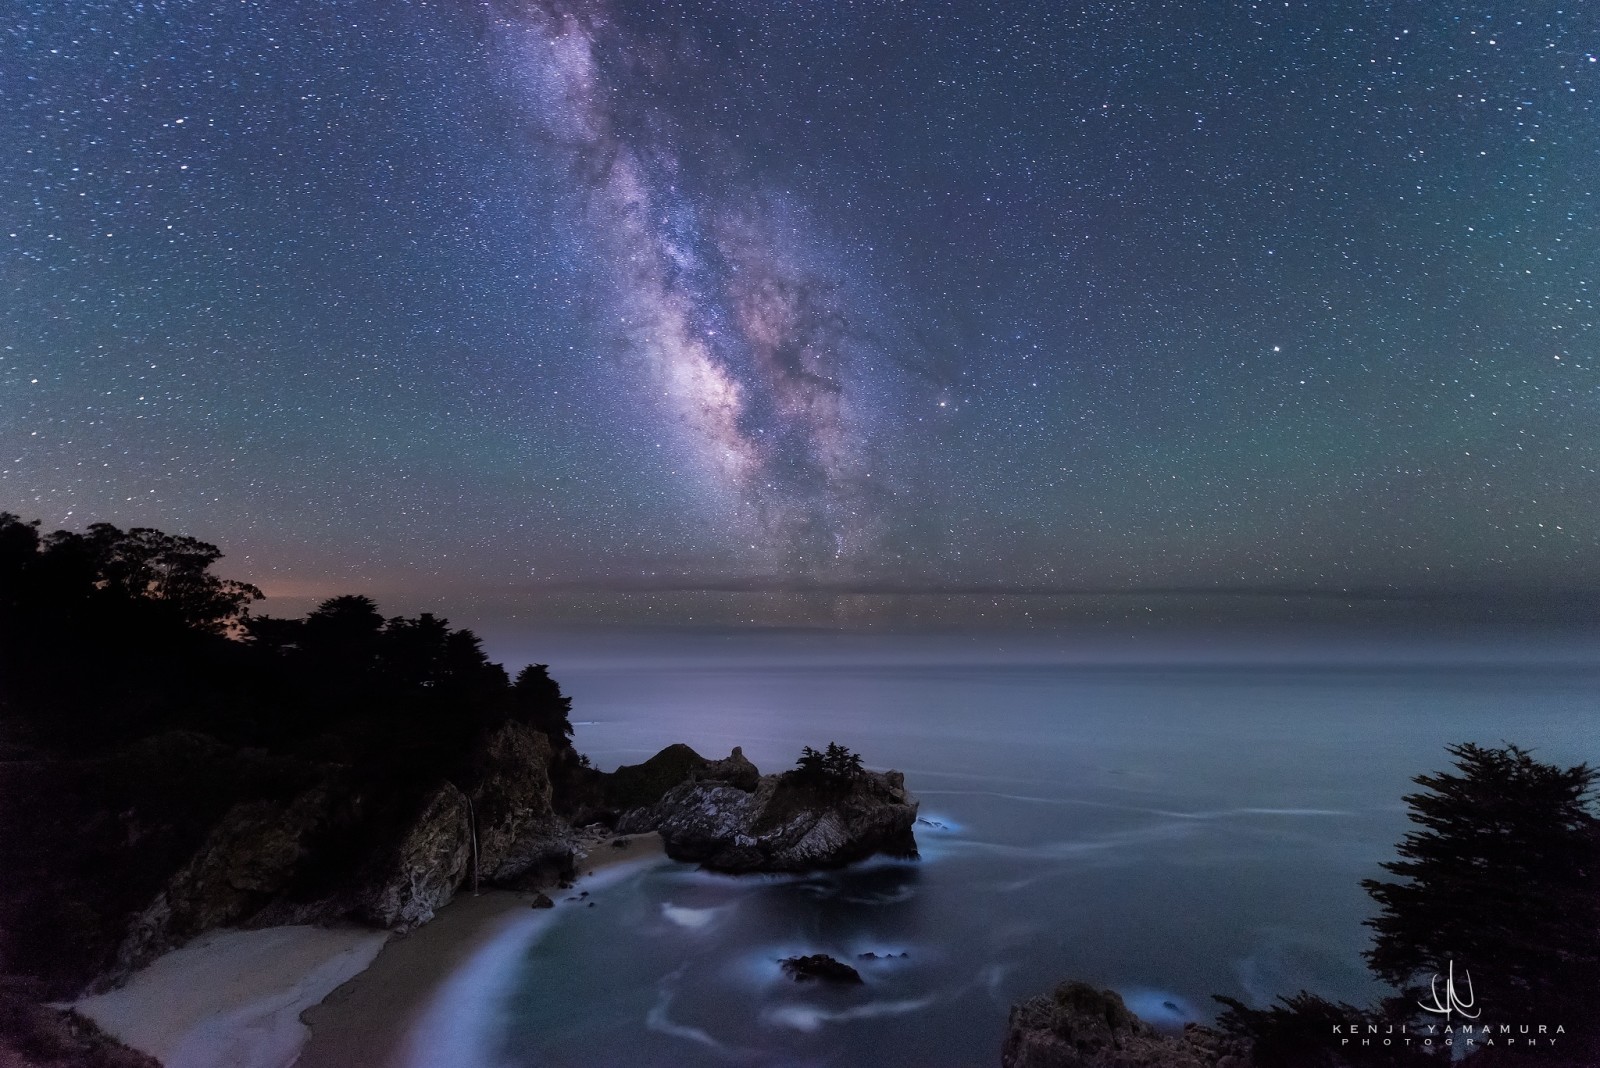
820,966
781,822
1077,1026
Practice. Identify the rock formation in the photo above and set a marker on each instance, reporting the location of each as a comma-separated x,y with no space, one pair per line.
1077,1026
422,872
318,858
742,821
820,966
634,786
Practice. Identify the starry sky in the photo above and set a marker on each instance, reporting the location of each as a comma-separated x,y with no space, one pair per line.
814,312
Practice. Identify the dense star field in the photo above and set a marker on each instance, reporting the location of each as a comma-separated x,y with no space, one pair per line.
792,311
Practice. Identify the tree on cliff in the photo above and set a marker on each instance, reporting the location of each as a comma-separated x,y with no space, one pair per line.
1501,883
1502,879
537,700
147,705
833,766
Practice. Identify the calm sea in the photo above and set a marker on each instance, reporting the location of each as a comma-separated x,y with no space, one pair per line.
1169,821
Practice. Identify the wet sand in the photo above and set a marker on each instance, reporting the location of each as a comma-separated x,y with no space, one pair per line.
245,999
365,1022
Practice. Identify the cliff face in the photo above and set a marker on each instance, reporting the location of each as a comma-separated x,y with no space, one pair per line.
321,857
1077,1026
731,818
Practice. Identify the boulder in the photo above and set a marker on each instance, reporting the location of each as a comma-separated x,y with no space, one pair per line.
426,867
384,856
509,789
1077,1026
250,857
499,826
784,824
521,841
734,769
820,966
543,852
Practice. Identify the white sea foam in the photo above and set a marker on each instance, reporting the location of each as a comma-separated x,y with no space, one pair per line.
657,1020
809,1018
1160,1008
693,919
460,1024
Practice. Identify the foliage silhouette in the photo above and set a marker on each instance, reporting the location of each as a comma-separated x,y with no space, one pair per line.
142,700
1501,882
835,766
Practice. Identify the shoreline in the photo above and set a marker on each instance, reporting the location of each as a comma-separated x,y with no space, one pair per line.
369,1019
313,997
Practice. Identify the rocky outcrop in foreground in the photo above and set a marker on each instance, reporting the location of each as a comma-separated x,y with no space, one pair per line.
1077,1026
728,817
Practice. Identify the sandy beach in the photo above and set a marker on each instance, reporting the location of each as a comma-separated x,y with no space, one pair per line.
233,997
314,997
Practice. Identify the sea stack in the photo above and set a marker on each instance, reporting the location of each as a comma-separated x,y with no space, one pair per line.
729,818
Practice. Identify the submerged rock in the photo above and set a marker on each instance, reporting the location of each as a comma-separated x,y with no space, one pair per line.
1077,1026
820,966
780,823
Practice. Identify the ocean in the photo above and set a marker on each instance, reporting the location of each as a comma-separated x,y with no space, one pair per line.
1171,820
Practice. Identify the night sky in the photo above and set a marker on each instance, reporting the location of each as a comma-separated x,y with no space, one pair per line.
810,311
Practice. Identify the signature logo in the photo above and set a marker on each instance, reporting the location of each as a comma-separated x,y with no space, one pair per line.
1452,1000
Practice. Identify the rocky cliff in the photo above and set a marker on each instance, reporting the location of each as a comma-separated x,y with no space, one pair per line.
729,817
325,854
1077,1026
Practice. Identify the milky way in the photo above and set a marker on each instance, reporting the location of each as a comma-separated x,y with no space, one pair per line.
815,312
746,340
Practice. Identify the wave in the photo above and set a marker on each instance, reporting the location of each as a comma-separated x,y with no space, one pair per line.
691,919
810,1018
1078,802
461,1023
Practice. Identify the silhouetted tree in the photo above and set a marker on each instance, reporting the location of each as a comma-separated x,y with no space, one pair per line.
840,763
142,720
811,766
537,700
1298,1032
1503,879
834,767
169,570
